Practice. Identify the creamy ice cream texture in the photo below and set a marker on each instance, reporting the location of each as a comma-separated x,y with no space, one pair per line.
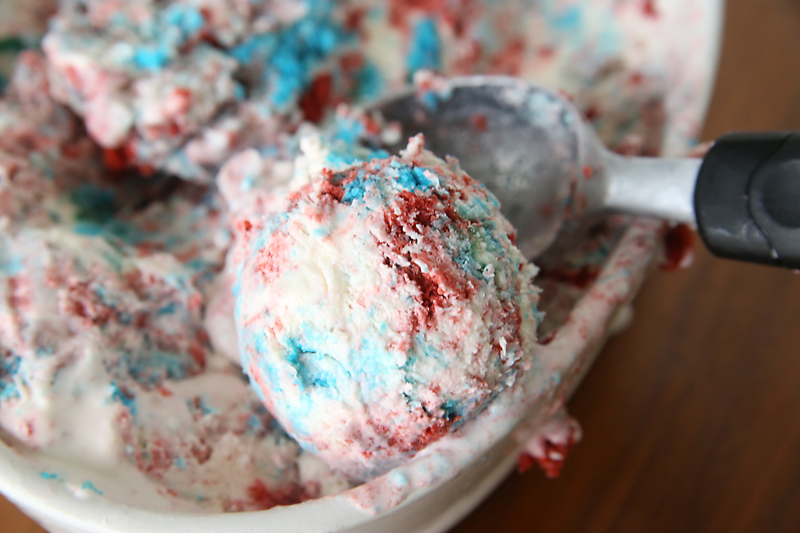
182,86
383,309
117,294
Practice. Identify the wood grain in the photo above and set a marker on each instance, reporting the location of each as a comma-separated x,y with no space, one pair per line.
691,417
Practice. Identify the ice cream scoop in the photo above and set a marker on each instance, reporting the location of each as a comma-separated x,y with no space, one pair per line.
534,151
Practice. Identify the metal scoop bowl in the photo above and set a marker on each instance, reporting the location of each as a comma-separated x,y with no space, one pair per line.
533,150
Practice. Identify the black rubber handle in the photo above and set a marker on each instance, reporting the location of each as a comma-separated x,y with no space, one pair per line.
747,198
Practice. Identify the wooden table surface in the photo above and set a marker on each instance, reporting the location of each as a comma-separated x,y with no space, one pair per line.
691,417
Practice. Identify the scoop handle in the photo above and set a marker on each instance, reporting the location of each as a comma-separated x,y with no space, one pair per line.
747,198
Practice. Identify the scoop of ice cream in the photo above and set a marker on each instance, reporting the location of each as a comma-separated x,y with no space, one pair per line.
384,308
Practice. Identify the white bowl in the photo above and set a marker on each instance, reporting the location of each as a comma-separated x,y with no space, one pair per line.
448,479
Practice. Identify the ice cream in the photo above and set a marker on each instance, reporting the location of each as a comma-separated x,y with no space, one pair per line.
383,309
181,86
105,361
105,357
113,382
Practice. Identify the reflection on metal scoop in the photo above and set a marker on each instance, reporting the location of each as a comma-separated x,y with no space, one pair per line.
530,147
